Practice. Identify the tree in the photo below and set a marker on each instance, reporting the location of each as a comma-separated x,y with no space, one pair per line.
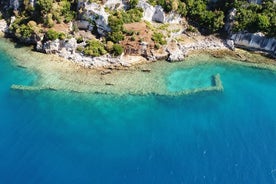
117,49
263,22
44,6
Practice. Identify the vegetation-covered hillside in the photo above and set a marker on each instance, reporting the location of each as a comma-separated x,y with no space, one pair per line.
41,18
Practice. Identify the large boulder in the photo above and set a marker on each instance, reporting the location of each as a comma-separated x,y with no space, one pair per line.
148,10
151,13
175,54
159,15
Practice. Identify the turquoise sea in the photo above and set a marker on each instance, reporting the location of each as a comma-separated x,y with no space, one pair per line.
224,137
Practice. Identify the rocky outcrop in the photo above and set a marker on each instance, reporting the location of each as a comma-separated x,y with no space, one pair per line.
157,14
95,15
3,27
230,21
255,41
175,54
115,4
179,51
173,18
67,49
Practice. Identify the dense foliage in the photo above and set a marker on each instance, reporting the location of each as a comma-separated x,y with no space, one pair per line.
255,18
118,18
207,16
94,48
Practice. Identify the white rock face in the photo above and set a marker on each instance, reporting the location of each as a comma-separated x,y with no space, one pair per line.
173,18
148,10
114,4
3,26
96,13
157,14
180,51
51,47
67,47
175,54
255,41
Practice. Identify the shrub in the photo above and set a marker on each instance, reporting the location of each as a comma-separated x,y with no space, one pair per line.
117,49
159,38
115,36
109,46
94,48
44,6
79,39
133,3
52,35
24,31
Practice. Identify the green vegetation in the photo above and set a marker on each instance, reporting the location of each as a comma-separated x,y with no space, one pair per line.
52,35
203,15
254,18
22,29
133,3
118,18
117,49
94,48
158,38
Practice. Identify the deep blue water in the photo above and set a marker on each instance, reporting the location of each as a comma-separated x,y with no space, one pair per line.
58,137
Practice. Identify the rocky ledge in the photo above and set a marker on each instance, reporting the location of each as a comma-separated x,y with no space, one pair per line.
255,41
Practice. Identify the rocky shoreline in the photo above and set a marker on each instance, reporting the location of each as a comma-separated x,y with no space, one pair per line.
180,43
173,51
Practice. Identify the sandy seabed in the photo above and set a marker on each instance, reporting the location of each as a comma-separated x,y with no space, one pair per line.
56,73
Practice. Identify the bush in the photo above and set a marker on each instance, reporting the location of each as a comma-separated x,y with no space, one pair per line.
133,3
52,35
109,46
24,31
254,18
117,49
44,6
94,48
115,37
159,38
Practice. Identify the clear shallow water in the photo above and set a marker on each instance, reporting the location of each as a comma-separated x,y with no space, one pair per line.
57,137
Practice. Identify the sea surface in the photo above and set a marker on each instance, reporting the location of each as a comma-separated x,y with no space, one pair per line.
224,137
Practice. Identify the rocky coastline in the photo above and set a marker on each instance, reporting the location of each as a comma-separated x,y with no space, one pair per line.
179,42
